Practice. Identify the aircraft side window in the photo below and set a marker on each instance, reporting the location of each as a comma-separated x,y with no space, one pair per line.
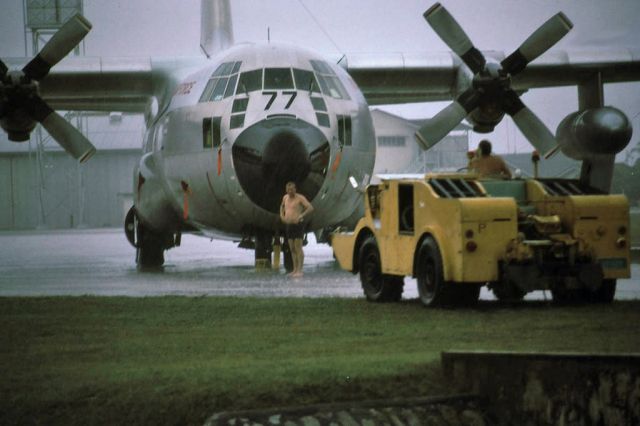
278,78
344,129
250,81
236,121
305,80
211,137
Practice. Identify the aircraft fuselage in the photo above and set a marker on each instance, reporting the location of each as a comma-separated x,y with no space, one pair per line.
218,155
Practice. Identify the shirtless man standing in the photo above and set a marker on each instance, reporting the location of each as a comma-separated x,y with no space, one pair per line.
293,210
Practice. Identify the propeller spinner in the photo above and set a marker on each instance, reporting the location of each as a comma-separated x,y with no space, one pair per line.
21,105
491,86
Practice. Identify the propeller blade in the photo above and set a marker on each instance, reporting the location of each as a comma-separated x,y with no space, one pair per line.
446,120
62,42
536,132
539,42
454,36
67,136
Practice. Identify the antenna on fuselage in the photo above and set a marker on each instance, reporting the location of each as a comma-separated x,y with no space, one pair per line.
268,35
216,29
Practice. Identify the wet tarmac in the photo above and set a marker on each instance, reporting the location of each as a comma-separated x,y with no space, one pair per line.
101,262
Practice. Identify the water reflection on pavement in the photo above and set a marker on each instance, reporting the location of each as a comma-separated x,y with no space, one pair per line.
101,262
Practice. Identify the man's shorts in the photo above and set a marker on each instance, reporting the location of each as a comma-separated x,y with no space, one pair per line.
294,231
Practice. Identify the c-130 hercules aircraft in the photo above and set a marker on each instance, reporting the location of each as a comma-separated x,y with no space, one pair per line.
226,131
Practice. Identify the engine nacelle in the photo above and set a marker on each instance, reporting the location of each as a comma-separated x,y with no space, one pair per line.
486,117
18,125
597,131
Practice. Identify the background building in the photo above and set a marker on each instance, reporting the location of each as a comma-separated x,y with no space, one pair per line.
397,150
43,187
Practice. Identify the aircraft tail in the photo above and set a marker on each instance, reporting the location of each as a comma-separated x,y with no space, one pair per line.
216,29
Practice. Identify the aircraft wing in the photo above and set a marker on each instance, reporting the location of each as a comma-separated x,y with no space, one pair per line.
392,78
109,84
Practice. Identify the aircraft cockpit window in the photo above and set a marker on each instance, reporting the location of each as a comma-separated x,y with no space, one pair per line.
278,78
329,81
218,91
305,80
222,82
323,119
250,81
240,105
226,69
321,67
231,86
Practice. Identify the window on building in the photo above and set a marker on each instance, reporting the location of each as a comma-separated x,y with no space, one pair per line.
394,141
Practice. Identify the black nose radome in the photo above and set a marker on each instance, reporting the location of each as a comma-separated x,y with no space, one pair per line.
275,151
285,159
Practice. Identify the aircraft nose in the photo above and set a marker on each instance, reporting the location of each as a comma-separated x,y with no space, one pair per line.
275,151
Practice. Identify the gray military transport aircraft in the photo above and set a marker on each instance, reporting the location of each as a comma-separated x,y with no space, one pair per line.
227,130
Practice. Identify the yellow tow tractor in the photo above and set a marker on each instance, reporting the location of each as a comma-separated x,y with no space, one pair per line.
456,233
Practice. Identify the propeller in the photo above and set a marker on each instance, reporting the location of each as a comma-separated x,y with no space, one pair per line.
21,104
491,85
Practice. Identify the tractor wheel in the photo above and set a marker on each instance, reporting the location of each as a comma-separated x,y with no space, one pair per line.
377,286
432,288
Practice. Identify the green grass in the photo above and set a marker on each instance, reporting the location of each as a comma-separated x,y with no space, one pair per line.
177,360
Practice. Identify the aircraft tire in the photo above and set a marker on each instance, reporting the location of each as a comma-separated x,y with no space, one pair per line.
150,251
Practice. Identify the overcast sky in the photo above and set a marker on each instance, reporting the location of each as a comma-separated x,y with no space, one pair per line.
171,28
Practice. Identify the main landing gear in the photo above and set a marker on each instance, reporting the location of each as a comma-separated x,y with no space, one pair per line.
268,249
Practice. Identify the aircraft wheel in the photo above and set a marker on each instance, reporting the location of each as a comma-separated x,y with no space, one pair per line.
433,290
150,250
377,286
